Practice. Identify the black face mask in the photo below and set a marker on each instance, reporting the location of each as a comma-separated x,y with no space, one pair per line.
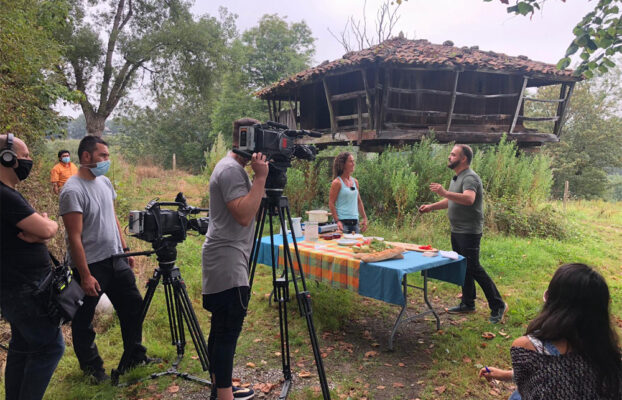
23,168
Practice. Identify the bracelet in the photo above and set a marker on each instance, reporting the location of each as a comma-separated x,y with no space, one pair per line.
126,249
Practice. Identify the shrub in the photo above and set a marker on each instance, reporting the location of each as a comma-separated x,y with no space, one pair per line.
395,183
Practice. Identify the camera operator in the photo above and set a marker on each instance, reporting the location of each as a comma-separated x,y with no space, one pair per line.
94,236
234,203
36,343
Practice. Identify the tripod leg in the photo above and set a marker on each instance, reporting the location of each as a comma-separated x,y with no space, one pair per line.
256,246
175,321
152,284
304,303
187,312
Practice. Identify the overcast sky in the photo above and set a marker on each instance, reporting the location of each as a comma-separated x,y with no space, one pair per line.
543,37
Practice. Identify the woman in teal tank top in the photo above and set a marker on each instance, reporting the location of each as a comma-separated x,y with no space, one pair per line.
345,199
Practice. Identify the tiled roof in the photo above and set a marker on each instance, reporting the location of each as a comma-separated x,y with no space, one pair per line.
400,51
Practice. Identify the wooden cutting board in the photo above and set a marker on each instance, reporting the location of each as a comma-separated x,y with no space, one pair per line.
411,247
388,254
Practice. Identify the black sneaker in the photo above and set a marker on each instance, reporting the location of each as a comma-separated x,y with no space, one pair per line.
498,315
141,362
239,393
98,376
461,309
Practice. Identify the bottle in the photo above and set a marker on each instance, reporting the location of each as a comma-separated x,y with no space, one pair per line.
311,231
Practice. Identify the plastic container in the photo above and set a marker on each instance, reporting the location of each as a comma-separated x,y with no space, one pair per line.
296,227
311,231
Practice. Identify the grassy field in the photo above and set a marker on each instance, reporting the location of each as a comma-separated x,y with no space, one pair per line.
353,331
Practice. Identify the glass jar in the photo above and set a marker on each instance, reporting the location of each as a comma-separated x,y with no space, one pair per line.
311,231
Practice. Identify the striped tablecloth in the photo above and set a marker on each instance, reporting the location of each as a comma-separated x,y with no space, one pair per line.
327,262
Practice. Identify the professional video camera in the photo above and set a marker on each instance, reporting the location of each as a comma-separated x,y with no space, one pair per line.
277,142
155,223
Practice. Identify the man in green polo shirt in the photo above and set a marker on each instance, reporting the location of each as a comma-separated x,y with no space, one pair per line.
464,204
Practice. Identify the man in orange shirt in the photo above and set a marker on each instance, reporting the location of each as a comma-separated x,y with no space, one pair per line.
62,171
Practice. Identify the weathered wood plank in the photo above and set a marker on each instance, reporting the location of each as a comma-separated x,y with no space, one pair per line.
452,102
350,117
359,106
518,105
370,113
522,117
560,123
447,93
331,112
385,100
415,113
415,135
476,117
544,100
347,96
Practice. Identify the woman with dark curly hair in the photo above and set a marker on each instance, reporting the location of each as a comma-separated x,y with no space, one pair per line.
344,198
571,349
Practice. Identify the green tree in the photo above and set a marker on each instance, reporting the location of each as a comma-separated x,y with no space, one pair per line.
597,35
159,38
276,49
28,53
591,141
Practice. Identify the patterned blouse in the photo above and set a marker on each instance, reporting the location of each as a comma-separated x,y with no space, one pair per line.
542,376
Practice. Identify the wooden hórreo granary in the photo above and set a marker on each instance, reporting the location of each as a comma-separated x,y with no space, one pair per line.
400,90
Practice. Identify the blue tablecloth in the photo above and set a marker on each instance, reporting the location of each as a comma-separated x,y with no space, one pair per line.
383,280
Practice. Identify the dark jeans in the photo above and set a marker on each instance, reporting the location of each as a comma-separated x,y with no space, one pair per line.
35,349
467,245
117,280
228,310
350,225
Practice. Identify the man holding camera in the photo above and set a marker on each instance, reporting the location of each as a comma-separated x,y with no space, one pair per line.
94,236
234,202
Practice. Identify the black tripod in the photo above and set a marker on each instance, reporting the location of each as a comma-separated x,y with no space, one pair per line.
276,205
179,310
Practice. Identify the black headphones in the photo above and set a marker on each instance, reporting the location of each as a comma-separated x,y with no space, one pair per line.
7,155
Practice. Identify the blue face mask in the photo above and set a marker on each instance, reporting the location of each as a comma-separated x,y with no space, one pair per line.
65,160
101,168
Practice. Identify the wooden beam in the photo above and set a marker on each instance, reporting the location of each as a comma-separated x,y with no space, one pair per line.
350,117
359,106
347,96
518,105
331,112
415,135
488,96
385,100
447,93
544,100
370,122
475,117
399,90
560,106
415,113
452,102
377,92
270,110
523,118
560,122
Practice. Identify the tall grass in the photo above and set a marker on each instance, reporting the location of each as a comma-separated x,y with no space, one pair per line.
396,183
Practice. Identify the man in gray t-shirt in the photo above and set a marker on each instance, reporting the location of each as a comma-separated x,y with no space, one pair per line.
464,201
94,235
234,202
